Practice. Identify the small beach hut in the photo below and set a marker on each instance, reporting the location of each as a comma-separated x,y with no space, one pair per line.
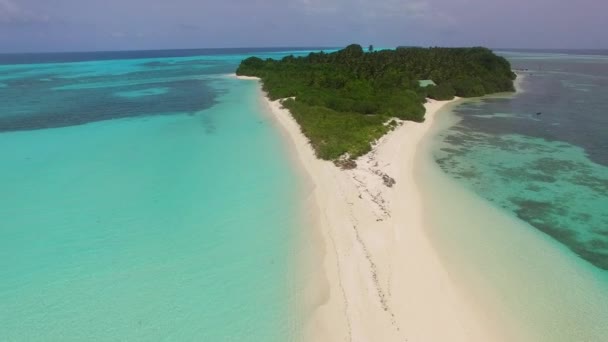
426,83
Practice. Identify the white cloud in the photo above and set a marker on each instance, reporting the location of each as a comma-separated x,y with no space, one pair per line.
11,13
368,8
318,6
118,34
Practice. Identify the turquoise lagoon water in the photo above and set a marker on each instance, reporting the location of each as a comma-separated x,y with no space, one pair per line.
146,198
526,220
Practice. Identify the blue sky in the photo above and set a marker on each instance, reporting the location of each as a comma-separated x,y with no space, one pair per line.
80,25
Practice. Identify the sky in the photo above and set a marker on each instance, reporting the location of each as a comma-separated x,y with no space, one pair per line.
94,25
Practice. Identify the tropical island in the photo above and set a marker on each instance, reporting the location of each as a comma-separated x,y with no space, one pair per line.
345,100
376,270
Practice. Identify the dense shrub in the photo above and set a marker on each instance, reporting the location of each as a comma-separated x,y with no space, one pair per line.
441,92
468,87
343,99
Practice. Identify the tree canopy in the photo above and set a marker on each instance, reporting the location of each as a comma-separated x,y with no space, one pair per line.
343,99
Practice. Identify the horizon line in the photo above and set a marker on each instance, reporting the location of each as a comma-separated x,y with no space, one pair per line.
286,48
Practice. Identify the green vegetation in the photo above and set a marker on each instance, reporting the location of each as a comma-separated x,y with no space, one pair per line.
441,92
343,100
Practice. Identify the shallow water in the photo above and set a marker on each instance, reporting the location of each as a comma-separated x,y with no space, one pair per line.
524,228
542,154
143,199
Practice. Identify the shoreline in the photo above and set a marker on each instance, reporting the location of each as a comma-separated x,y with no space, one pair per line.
381,277
529,286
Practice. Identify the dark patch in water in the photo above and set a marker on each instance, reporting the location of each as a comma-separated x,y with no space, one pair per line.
155,64
549,165
571,116
598,244
450,150
583,217
521,174
598,185
536,177
30,104
548,218
470,174
208,125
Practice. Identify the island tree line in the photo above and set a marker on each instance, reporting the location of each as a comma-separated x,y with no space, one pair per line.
343,100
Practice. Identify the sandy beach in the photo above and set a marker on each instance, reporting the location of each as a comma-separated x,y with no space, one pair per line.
380,278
